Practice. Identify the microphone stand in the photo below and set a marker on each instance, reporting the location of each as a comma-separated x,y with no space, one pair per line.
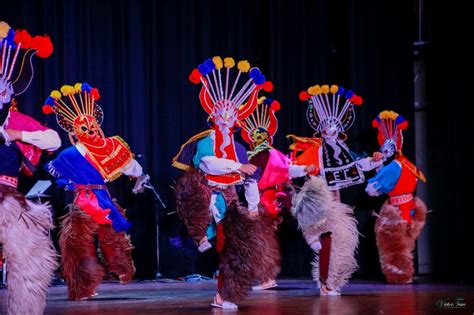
146,183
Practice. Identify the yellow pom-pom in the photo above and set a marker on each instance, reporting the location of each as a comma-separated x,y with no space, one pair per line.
386,114
217,62
243,66
78,87
334,89
392,115
314,90
4,29
261,99
67,90
325,89
229,62
55,94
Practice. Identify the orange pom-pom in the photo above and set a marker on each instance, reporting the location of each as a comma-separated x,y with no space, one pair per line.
195,76
23,37
95,94
304,95
275,106
43,45
268,86
47,109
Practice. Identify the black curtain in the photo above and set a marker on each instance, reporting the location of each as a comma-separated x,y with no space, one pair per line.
139,55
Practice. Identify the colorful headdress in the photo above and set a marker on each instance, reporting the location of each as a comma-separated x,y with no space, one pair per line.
262,119
17,49
390,126
222,94
72,102
221,91
326,109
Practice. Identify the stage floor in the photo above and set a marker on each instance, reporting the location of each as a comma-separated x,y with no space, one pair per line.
290,297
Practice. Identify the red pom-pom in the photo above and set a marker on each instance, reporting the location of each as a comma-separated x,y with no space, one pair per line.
356,100
195,76
267,86
375,123
23,37
275,106
95,93
43,45
304,95
47,109
403,125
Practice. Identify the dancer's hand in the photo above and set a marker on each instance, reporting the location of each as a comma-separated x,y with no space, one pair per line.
140,184
377,156
248,169
310,168
14,135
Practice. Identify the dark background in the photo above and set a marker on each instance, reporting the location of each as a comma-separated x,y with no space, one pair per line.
139,55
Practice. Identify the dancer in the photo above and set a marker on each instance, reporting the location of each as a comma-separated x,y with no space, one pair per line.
328,225
275,171
24,225
85,167
206,196
402,216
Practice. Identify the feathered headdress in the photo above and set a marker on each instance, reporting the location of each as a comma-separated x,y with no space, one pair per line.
263,119
72,102
325,107
17,49
390,126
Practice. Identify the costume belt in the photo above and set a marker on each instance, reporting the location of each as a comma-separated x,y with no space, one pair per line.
90,186
9,180
402,199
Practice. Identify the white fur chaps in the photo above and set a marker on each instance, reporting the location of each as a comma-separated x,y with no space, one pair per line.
318,213
31,257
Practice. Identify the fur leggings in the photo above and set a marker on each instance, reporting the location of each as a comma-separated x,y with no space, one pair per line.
79,263
28,250
396,241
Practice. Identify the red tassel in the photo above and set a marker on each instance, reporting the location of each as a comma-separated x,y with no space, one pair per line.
304,95
268,86
47,109
403,125
23,37
375,123
275,106
95,93
43,45
356,100
195,76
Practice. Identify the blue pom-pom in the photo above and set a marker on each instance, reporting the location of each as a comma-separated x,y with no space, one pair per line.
86,87
210,64
10,39
399,119
259,79
254,72
49,101
267,101
349,94
203,69
341,90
